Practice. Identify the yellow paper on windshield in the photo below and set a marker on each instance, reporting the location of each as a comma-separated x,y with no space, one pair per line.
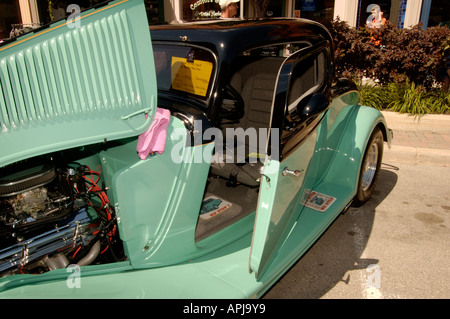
191,77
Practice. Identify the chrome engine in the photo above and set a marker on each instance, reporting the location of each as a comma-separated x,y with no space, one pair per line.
53,215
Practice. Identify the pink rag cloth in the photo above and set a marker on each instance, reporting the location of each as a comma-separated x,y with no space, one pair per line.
154,139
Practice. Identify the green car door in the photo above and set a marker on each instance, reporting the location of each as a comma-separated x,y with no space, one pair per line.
299,105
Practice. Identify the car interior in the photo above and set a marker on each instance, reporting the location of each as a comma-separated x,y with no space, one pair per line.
238,183
235,183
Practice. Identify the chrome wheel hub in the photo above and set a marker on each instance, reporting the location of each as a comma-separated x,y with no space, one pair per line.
370,166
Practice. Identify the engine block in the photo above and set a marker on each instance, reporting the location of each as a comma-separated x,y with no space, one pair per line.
77,229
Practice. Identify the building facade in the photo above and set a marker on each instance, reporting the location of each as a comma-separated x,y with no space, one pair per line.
403,13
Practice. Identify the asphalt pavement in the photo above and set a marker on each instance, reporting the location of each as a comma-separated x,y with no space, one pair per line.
396,245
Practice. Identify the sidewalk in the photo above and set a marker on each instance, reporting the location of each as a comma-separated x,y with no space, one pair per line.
419,140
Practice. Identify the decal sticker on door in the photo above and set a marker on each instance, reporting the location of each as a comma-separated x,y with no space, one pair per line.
213,206
317,201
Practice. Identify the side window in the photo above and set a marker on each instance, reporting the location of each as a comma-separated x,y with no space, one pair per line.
307,77
247,99
307,95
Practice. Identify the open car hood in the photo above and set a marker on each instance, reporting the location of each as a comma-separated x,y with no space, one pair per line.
77,82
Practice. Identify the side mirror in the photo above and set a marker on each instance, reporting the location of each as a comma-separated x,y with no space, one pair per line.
312,105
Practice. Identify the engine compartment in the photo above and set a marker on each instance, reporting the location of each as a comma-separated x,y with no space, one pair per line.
54,213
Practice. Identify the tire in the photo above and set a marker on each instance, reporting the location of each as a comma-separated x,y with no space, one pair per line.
370,168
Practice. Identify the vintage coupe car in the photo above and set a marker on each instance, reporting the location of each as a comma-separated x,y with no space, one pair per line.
196,160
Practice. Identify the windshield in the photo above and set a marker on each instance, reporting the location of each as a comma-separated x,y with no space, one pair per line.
186,70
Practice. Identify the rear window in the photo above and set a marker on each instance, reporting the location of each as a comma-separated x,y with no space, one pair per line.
186,70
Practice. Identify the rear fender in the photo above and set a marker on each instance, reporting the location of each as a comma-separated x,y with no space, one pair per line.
344,170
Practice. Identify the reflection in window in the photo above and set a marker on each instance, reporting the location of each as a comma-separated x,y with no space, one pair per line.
200,10
385,9
9,14
439,13
317,10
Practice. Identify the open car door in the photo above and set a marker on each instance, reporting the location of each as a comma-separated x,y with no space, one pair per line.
301,99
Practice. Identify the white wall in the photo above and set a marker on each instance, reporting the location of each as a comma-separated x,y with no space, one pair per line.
412,14
346,10
172,10
28,11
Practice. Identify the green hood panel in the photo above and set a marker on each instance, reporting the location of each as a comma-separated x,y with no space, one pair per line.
68,86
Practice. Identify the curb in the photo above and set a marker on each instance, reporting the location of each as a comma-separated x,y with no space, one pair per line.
416,155
434,123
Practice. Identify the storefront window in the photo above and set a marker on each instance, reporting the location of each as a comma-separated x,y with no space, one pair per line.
373,13
318,10
276,8
439,13
9,15
201,10
155,11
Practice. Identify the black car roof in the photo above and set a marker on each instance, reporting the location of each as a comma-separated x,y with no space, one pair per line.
229,37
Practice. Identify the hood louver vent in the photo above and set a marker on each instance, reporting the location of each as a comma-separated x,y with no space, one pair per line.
87,80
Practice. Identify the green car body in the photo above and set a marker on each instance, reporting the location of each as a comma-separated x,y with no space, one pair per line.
102,93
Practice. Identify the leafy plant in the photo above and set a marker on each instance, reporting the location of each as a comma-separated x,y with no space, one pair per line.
372,96
412,101
405,98
404,55
404,69
438,102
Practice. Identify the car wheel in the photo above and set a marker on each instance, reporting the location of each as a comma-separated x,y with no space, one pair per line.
370,168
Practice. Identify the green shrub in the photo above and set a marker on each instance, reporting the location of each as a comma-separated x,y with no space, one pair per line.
405,55
404,68
413,101
438,101
405,98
